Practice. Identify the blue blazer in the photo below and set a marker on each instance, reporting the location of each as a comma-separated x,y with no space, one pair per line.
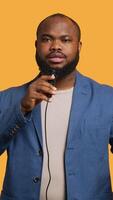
90,130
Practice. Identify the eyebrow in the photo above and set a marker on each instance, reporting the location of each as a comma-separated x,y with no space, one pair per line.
51,36
46,35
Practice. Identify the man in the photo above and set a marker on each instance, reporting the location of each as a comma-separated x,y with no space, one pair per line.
56,128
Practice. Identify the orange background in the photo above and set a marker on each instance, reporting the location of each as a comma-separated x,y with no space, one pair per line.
18,22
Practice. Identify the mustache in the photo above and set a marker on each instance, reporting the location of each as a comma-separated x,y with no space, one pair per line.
56,54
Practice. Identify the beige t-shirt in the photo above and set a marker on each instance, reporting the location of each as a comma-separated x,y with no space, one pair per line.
57,123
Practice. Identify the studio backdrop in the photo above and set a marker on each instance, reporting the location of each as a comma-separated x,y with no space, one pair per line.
18,22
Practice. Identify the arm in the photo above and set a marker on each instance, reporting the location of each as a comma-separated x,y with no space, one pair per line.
16,109
11,120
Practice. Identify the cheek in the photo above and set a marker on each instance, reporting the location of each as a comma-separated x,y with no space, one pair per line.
71,53
43,50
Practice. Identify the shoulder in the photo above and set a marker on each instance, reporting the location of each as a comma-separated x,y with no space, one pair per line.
13,94
100,95
96,86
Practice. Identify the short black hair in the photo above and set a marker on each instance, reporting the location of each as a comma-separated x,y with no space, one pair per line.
62,16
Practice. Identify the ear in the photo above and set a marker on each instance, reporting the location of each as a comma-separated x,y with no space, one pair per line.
36,43
80,46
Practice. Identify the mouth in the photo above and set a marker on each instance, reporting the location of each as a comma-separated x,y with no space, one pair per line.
56,58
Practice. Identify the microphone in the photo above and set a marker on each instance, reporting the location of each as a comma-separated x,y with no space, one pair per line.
52,72
53,82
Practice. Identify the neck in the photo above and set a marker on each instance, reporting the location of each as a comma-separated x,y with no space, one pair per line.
66,82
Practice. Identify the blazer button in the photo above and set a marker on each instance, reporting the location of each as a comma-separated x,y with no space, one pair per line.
11,133
36,179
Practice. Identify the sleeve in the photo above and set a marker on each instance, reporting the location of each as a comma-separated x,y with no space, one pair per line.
11,120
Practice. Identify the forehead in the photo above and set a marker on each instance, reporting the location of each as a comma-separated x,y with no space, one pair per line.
57,26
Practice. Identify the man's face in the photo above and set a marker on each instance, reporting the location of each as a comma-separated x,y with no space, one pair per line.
57,45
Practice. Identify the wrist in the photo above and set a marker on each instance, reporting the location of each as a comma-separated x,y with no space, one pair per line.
24,108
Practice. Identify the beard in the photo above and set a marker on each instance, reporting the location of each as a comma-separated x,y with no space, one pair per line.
46,69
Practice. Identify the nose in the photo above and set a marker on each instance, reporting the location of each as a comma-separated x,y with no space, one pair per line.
55,45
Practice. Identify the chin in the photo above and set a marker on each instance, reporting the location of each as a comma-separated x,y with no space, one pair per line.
56,65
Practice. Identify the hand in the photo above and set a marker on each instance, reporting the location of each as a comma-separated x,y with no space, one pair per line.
37,91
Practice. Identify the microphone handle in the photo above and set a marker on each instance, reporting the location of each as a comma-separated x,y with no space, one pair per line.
53,82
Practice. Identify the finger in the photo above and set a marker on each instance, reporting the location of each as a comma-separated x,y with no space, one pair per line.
44,78
44,89
42,86
46,84
47,77
40,97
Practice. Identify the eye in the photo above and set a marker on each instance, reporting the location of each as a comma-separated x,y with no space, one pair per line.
46,39
66,40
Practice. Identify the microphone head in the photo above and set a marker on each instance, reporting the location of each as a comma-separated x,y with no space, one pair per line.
52,72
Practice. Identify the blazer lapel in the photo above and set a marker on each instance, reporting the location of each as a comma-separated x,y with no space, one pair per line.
80,101
37,122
